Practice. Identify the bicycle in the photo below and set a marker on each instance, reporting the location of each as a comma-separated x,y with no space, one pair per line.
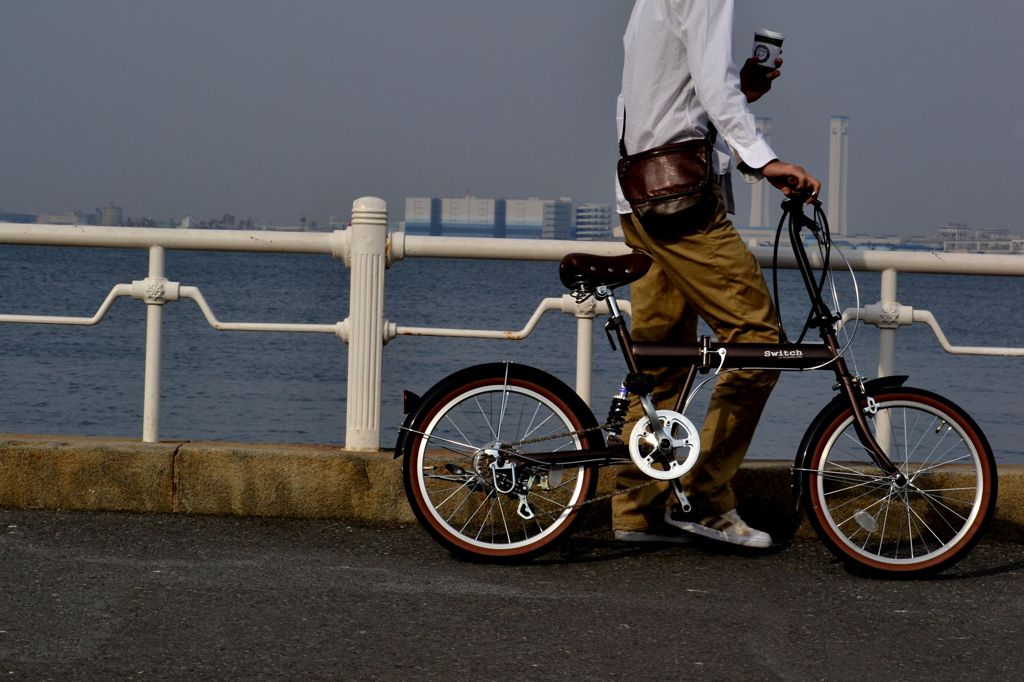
499,459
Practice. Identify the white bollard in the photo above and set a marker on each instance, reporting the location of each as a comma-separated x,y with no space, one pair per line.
365,259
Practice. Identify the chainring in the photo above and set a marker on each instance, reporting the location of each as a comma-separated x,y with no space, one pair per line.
684,446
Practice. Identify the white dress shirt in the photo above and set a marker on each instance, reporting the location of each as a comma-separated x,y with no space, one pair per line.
678,74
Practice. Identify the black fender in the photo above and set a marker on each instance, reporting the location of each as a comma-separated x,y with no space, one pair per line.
418,406
823,419
410,405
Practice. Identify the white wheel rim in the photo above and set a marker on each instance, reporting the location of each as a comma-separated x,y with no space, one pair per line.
836,526
431,508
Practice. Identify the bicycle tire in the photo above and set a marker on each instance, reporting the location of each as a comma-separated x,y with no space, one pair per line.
874,524
451,439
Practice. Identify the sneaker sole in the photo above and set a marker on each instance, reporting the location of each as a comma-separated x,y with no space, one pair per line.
722,536
640,536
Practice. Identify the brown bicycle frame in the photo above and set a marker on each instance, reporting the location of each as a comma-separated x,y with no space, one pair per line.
707,355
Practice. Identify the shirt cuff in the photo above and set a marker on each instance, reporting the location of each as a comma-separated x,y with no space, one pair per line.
753,159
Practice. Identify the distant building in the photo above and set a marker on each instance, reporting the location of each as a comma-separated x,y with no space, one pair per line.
524,218
559,219
540,219
955,233
595,222
462,217
65,218
423,216
111,215
476,217
958,237
472,217
20,218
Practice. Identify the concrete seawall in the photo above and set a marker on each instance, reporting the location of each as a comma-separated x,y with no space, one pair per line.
246,479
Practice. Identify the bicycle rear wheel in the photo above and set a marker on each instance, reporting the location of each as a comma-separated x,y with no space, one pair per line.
878,523
460,480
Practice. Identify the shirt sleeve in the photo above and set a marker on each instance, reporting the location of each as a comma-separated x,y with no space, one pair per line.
706,30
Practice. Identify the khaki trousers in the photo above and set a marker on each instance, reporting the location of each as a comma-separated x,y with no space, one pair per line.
710,273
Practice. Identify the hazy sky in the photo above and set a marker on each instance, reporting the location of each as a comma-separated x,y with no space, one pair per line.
276,108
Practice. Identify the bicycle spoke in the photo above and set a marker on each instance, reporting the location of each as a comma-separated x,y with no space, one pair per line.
487,419
504,402
528,429
504,523
932,468
486,425
456,426
444,442
882,521
937,502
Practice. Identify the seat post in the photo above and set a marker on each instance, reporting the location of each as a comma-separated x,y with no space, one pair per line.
617,323
613,305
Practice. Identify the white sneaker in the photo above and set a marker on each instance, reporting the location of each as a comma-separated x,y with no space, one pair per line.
727,527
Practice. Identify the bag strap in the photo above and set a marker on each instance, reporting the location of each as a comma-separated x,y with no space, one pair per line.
711,137
622,137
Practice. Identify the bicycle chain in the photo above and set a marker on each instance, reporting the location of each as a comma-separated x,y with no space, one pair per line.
569,434
614,493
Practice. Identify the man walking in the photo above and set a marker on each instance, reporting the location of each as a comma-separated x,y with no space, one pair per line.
679,80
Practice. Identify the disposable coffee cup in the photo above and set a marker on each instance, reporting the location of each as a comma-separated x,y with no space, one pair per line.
767,47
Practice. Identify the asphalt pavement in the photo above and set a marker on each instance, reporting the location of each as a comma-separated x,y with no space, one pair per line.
149,596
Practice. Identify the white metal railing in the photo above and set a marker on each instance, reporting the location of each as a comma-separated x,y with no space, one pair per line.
368,250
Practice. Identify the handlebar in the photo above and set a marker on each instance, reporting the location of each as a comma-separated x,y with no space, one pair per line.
799,199
793,206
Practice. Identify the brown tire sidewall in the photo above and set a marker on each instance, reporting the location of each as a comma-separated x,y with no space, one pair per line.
987,475
587,475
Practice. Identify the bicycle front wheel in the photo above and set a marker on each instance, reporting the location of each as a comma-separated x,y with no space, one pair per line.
920,522
466,463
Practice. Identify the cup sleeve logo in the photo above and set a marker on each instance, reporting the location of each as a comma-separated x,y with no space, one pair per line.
761,53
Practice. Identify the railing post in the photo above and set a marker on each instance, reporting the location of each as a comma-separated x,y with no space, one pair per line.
154,345
887,332
584,356
888,324
585,313
365,258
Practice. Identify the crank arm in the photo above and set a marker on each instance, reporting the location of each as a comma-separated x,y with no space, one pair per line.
684,502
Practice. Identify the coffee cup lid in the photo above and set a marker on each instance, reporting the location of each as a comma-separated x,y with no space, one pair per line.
768,34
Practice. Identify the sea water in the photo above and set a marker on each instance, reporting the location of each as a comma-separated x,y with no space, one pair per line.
290,388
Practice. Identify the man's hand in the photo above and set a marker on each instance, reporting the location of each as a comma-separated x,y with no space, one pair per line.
792,179
755,80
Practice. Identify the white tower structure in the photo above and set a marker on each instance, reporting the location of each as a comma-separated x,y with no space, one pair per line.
837,150
111,215
760,209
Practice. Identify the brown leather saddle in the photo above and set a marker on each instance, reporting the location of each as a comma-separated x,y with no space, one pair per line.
587,272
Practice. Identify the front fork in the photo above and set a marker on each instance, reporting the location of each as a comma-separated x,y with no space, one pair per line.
863,405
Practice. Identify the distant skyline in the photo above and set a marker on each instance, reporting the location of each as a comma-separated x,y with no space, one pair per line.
274,110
